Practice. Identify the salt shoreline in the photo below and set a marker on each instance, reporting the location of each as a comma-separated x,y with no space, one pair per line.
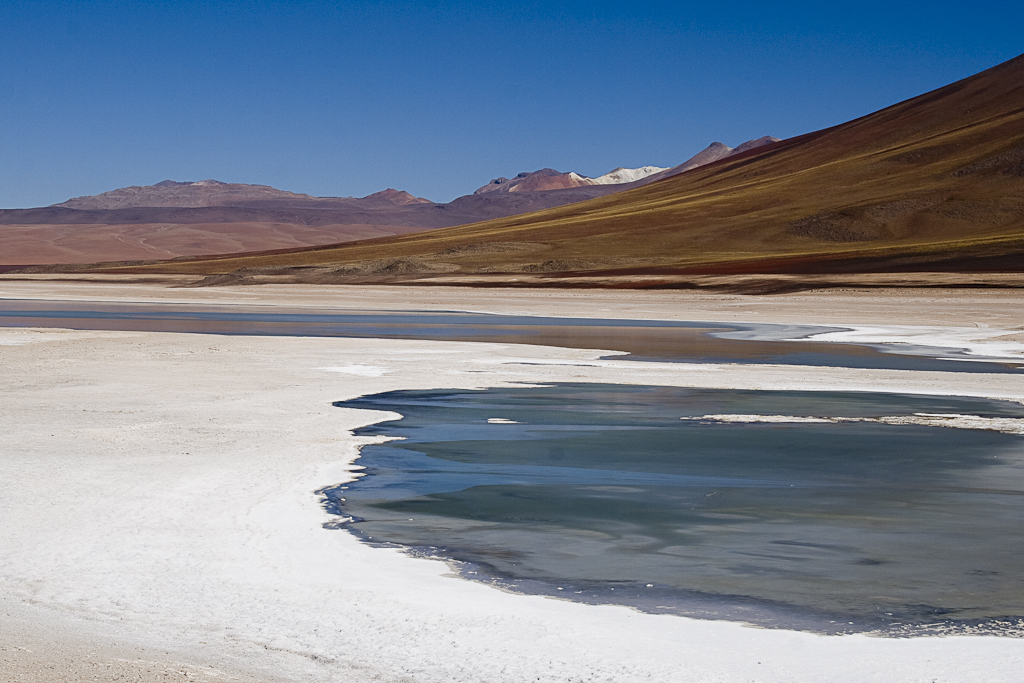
981,323
185,527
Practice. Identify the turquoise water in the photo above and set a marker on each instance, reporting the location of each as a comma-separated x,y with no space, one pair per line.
602,493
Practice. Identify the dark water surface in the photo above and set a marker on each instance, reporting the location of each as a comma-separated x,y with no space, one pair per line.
651,340
602,493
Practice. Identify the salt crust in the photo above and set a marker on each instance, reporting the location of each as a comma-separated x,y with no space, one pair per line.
979,340
160,487
361,370
1007,425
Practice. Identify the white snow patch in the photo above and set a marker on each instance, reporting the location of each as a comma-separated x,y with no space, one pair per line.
626,175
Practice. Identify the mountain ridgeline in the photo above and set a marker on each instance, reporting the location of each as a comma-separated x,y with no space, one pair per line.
931,184
935,183
550,179
171,219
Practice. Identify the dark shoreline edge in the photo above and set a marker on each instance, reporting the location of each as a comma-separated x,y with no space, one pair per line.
753,612
652,599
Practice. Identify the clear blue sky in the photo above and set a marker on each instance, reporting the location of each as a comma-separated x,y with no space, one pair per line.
437,98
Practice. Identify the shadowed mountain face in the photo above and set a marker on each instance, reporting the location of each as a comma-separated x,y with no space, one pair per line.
932,183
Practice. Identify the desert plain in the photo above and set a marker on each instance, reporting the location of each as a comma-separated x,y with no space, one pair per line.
161,520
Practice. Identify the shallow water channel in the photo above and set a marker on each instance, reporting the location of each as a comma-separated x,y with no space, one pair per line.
646,340
603,493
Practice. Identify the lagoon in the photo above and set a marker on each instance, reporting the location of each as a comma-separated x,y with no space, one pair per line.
690,501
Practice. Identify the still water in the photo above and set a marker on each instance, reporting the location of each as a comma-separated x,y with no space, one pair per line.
602,493
650,340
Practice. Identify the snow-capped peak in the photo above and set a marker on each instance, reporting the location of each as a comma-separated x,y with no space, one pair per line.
626,175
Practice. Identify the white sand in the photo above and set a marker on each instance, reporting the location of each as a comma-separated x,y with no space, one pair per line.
156,492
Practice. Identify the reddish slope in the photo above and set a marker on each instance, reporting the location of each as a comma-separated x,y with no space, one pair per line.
933,182
170,219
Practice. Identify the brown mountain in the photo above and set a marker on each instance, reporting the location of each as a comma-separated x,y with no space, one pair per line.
398,197
549,179
172,219
716,151
206,193
537,181
932,183
178,194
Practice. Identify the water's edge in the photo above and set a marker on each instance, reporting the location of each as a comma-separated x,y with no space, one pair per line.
750,611
653,599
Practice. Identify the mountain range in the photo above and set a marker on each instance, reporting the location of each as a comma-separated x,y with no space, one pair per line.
934,183
550,179
203,193
171,219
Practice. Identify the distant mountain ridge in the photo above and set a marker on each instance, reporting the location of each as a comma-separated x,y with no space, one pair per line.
931,185
215,193
189,218
716,151
207,193
549,179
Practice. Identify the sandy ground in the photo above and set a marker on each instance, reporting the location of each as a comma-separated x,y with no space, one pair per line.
160,521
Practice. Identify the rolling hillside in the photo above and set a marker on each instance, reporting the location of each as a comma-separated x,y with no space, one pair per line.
932,183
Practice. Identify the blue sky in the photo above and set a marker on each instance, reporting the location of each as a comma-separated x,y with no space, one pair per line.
437,98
